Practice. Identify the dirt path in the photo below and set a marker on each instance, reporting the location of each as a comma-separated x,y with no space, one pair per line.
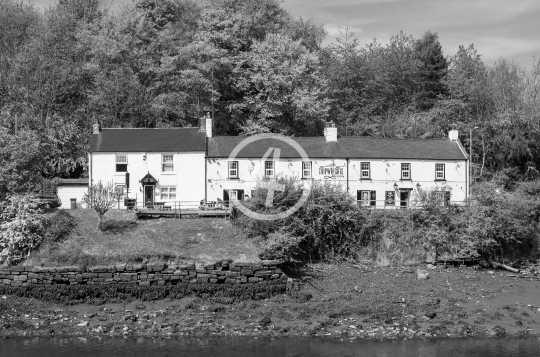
346,302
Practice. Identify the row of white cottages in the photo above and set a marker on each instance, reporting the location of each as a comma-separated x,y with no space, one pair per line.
188,165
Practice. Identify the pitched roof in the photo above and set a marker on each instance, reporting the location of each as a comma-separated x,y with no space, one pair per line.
77,181
346,147
148,140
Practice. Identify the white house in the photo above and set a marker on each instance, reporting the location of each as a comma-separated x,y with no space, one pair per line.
188,165
379,172
150,165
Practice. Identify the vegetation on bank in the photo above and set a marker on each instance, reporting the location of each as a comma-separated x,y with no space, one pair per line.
330,226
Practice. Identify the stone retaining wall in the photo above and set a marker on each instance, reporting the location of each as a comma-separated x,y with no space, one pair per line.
223,272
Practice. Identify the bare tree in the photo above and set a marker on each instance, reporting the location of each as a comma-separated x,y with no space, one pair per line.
101,197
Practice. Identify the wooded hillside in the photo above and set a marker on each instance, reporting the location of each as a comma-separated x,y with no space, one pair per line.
159,64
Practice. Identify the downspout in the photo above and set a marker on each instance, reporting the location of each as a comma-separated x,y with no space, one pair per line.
206,173
347,174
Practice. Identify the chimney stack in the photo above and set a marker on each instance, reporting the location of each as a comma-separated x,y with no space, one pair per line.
330,132
205,125
96,128
453,135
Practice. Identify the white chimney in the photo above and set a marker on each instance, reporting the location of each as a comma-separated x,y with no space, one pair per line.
208,125
453,135
330,132
205,125
96,128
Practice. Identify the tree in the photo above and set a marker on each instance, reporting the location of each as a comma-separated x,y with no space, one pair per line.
101,197
432,69
283,89
22,158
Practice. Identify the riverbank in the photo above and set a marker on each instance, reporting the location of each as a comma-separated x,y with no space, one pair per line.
349,302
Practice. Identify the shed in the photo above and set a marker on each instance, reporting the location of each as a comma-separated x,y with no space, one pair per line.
72,188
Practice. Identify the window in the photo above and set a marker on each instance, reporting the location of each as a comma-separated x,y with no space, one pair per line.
405,171
366,198
439,171
121,163
233,195
306,169
362,198
365,171
443,197
390,198
168,193
233,169
439,195
120,189
167,164
269,168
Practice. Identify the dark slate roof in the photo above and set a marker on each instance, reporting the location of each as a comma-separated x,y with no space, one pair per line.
148,140
77,181
345,147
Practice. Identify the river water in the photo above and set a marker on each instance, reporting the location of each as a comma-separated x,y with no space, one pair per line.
250,347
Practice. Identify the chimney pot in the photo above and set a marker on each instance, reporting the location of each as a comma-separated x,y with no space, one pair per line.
205,125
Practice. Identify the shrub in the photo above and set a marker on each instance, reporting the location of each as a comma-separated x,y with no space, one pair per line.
21,227
58,227
101,197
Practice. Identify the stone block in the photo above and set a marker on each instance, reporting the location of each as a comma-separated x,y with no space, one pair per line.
257,267
203,275
79,278
242,264
33,275
274,276
17,268
210,267
144,283
180,273
120,267
158,267
105,275
213,281
202,280
98,269
246,272
263,273
89,275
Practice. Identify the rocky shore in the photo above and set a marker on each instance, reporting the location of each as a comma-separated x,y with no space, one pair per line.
347,302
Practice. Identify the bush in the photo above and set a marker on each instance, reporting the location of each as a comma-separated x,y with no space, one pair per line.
58,227
21,228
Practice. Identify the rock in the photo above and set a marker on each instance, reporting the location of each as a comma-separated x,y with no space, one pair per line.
422,274
83,324
431,266
431,314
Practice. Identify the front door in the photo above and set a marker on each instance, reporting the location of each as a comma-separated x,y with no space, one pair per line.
148,195
404,198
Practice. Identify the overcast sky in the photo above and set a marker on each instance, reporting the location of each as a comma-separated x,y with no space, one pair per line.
497,28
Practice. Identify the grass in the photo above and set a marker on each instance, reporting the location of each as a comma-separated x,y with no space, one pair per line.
204,240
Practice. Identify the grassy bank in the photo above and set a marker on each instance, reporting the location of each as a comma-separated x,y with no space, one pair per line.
129,240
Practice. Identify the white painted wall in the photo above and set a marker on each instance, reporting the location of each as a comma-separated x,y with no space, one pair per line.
66,192
188,176
384,173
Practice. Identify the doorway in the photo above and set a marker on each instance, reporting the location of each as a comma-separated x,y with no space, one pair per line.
148,195
404,196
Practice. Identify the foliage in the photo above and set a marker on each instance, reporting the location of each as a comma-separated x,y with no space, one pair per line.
101,197
21,228
330,226
58,227
21,160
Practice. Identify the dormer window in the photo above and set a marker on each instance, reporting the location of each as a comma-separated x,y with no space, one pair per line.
121,163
